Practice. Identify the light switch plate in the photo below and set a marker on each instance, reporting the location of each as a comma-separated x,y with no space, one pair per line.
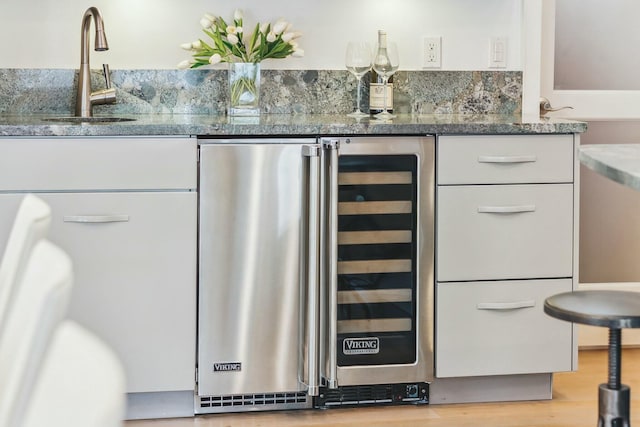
498,52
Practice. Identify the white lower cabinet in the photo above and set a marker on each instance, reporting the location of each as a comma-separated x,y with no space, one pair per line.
506,227
125,210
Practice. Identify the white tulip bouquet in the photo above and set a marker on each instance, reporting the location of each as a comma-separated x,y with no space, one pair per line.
229,43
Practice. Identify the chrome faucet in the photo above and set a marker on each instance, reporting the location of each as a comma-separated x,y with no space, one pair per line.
85,99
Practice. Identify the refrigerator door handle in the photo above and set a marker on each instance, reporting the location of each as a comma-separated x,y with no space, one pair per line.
330,251
311,372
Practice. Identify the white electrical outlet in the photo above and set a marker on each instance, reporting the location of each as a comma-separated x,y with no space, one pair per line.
432,52
498,52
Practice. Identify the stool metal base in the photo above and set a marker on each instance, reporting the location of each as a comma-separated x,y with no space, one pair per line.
613,406
615,310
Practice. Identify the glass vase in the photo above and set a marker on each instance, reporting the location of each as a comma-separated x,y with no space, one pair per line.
244,89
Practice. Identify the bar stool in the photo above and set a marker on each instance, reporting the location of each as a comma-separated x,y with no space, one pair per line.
614,310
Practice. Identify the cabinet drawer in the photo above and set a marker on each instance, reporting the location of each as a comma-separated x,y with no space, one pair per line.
500,328
97,163
504,232
505,159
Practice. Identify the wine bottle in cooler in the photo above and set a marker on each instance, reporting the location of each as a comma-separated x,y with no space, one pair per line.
376,85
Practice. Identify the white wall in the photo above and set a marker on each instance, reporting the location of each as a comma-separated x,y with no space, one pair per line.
145,34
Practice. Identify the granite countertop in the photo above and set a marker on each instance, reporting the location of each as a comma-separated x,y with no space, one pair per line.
619,162
286,124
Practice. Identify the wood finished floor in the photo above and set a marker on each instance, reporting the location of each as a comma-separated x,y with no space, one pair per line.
574,404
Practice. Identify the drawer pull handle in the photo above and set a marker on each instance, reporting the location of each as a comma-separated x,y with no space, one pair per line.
506,209
505,305
95,218
507,159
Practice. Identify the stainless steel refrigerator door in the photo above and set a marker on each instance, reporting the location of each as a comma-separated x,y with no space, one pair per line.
421,366
249,338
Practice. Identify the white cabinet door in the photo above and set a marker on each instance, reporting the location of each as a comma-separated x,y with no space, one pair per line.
134,260
505,329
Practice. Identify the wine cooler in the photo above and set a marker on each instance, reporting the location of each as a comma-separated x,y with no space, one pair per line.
378,265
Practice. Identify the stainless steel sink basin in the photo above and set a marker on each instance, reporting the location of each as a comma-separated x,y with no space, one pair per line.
75,119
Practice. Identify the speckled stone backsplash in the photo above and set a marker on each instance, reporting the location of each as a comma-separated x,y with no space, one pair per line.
52,91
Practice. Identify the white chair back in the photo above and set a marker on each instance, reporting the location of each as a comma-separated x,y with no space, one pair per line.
31,224
40,303
82,383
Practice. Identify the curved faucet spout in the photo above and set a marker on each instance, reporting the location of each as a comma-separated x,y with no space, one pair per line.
101,39
85,98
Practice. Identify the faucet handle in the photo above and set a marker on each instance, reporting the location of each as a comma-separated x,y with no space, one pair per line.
107,95
107,75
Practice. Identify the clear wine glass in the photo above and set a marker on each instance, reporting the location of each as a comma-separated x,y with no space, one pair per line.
385,63
358,62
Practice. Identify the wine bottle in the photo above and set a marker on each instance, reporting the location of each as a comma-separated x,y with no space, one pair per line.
376,84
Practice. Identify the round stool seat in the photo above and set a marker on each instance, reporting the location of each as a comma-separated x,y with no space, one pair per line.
611,309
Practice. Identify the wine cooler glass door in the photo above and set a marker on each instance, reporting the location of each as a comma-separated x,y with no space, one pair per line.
377,207
385,261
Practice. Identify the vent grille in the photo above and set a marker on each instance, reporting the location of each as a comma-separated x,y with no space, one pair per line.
252,400
380,394
359,395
